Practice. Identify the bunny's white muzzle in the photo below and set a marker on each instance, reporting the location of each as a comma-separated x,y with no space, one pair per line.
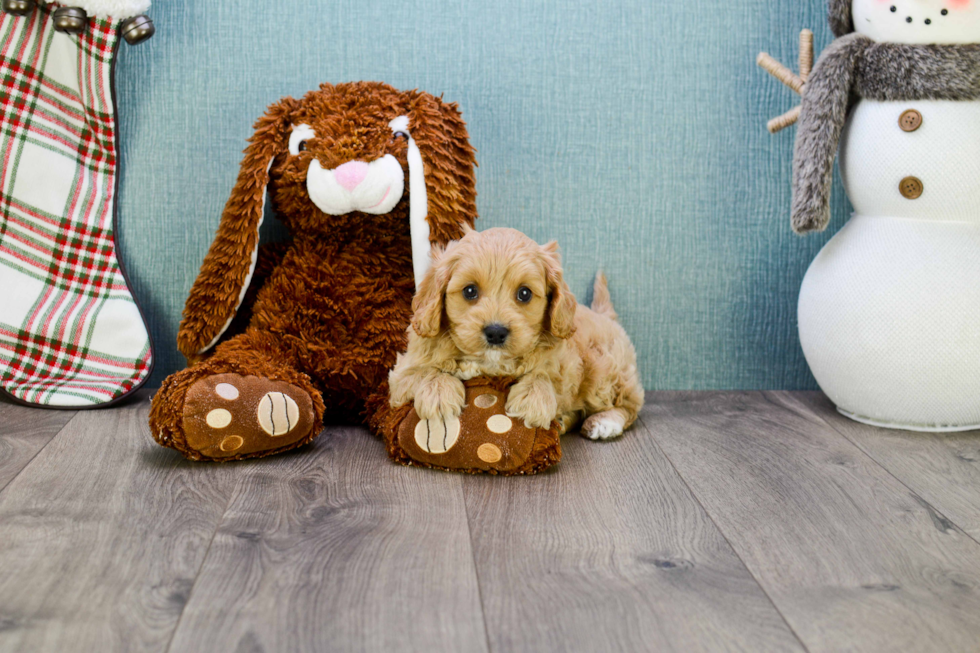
374,187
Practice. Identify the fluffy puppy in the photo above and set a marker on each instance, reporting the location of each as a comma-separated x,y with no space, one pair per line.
495,303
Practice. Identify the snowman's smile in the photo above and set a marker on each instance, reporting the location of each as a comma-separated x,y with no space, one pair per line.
927,20
918,22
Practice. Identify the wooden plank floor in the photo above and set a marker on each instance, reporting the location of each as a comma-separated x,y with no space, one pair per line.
722,522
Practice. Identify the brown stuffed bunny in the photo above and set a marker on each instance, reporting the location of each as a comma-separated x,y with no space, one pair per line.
365,178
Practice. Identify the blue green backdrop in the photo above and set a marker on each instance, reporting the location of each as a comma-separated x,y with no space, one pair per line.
632,131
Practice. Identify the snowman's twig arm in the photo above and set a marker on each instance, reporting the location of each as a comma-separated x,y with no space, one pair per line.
806,54
826,100
789,78
780,123
780,72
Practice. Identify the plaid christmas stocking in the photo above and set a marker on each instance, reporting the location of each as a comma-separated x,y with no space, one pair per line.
71,334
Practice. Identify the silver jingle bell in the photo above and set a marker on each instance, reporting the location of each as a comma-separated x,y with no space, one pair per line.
70,20
137,29
19,7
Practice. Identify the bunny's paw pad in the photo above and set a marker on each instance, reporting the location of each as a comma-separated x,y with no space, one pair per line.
233,416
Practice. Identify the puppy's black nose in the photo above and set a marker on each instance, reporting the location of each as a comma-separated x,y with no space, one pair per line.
496,334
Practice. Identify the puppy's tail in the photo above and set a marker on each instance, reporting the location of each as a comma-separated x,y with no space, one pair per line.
601,301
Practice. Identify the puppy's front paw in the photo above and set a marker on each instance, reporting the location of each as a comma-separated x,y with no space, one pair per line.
533,402
441,397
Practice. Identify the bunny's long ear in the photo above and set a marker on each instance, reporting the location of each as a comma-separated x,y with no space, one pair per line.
442,182
230,262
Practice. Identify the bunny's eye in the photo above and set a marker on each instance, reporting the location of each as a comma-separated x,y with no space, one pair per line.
400,135
471,292
298,139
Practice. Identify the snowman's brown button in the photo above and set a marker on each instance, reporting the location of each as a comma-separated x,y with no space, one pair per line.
911,188
910,120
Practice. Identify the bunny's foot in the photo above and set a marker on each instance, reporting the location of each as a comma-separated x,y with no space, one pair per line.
232,416
212,414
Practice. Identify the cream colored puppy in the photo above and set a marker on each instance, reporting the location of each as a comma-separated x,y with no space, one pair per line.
495,304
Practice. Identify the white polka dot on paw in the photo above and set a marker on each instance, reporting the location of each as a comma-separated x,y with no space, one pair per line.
499,424
277,413
226,391
485,401
218,418
604,429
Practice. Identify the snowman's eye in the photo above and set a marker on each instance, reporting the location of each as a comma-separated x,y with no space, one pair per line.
945,12
894,9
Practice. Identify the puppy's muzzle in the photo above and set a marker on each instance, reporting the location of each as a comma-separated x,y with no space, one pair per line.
496,334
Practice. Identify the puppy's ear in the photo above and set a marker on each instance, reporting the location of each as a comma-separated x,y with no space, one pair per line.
228,266
560,319
429,304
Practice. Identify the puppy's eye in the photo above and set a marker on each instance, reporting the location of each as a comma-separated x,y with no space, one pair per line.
471,292
302,146
400,135
524,295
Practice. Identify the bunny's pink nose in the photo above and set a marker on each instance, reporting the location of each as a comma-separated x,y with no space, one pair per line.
351,174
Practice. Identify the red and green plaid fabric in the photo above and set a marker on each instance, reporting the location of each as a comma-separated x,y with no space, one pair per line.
70,332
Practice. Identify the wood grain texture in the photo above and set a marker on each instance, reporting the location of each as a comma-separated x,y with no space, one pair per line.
102,536
852,558
338,550
611,552
942,468
723,521
24,433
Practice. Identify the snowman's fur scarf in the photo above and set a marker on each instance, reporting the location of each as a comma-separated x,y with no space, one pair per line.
895,71
116,9
854,67
840,16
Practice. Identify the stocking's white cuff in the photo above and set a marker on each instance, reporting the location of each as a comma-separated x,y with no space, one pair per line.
117,9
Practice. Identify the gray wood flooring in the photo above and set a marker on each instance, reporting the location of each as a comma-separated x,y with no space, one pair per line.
722,522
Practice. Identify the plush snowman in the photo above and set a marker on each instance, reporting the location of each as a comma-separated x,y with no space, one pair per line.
889,312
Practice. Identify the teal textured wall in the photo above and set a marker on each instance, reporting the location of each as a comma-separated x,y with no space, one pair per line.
632,131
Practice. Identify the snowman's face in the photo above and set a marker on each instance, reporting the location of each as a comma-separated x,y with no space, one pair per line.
918,21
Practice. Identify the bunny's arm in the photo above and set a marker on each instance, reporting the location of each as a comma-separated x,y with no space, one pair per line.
827,97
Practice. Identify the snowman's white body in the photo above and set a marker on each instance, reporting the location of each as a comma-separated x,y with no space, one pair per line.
889,311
